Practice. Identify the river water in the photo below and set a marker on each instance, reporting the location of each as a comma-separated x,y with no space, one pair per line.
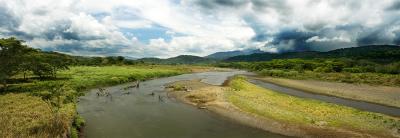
135,112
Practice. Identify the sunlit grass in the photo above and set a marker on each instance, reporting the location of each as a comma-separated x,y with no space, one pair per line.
47,108
363,78
22,115
289,109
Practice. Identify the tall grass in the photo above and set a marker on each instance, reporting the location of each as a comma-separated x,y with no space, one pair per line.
22,115
47,108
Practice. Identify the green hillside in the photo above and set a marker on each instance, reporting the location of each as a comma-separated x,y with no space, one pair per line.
378,53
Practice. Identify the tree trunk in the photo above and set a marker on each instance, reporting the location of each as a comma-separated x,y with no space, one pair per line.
4,82
54,72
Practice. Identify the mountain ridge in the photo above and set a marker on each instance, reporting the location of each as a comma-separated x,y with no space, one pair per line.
374,52
228,54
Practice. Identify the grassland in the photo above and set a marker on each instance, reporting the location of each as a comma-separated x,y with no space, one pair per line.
284,114
308,113
22,115
47,108
360,78
385,95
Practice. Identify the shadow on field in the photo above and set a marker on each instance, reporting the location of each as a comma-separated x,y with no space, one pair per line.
18,85
32,79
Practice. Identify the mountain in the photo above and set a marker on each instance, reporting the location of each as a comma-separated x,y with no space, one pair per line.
228,54
182,59
188,59
150,60
378,53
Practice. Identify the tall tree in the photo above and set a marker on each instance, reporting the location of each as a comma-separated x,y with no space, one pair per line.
57,62
12,54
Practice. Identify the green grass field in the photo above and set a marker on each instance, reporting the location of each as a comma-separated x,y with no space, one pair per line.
362,78
307,112
47,108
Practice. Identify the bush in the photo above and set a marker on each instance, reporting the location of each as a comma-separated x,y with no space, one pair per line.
74,133
393,68
324,69
353,70
79,122
278,73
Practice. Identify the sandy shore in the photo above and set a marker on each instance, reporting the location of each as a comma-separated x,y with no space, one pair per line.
384,95
212,98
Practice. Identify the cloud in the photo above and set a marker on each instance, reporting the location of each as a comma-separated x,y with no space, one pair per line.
325,39
172,27
394,7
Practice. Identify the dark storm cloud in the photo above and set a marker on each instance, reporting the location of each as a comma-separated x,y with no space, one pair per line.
81,47
373,37
279,6
379,37
210,4
388,33
63,30
59,30
10,23
394,7
258,5
292,40
7,19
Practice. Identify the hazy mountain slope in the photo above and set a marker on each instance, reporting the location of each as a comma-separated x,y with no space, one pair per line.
182,59
228,54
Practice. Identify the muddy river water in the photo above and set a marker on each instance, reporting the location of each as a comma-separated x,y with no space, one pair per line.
147,112
136,112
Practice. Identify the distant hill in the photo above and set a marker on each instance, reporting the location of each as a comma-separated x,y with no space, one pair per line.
182,59
228,54
379,53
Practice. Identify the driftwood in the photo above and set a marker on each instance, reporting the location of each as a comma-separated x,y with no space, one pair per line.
103,92
160,98
135,85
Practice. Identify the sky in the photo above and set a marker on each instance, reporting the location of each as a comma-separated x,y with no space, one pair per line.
167,28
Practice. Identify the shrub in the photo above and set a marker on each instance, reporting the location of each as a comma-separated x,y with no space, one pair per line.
79,122
353,70
324,69
279,73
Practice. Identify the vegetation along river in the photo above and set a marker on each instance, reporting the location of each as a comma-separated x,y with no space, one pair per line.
366,106
147,112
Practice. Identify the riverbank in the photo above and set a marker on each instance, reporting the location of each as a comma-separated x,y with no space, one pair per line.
148,112
384,95
283,114
51,110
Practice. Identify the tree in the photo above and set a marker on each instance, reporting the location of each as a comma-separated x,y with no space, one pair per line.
57,62
120,59
42,69
45,64
96,61
111,60
12,55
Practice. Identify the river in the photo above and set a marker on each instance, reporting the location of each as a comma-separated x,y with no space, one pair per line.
147,112
136,112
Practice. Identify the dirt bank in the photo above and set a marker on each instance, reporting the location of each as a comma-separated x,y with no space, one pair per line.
213,98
